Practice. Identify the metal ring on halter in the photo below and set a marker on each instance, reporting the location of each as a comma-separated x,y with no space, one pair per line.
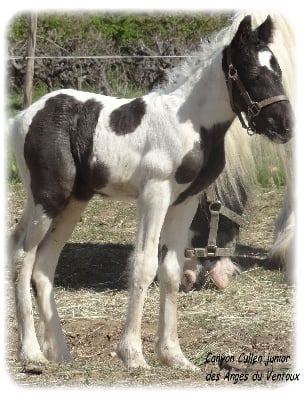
215,206
232,72
250,131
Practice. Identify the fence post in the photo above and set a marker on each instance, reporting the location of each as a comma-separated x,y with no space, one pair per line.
28,85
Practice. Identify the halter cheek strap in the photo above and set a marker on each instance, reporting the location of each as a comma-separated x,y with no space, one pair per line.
253,107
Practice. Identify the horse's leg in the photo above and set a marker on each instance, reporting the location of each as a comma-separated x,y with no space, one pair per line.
172,245
51,338
16,240
152,207
36,225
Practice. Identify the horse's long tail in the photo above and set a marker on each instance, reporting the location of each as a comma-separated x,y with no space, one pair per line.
281,252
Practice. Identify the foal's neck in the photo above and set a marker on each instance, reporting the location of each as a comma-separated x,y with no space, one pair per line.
205,96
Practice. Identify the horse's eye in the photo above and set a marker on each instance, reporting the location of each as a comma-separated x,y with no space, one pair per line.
255,78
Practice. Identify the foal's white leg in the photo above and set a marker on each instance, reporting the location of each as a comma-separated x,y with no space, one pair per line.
52,340
152,207
172,243
37,226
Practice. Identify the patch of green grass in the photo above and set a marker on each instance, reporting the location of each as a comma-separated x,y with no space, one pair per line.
269,176
15,100
199,358
12,172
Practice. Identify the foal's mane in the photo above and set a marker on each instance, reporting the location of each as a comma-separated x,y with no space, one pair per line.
210,47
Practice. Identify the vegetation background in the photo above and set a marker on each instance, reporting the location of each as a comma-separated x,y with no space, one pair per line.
89,34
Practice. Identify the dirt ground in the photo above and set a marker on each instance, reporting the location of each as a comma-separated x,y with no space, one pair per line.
250,321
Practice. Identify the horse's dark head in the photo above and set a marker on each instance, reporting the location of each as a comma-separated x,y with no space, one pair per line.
254,82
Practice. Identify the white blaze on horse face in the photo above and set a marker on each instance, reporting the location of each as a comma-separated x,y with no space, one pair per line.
264,58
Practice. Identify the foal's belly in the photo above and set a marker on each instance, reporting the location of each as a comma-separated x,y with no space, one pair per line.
120,190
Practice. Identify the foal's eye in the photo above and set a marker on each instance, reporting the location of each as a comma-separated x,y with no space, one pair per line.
255,78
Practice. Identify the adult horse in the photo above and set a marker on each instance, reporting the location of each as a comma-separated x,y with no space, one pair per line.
162,149
235,186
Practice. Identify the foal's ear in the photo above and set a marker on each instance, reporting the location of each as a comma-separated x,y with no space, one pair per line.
265,30
243,33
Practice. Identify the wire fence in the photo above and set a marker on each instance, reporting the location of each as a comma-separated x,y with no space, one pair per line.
109,57
115,75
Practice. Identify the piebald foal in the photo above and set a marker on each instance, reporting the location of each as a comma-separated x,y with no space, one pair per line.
162,149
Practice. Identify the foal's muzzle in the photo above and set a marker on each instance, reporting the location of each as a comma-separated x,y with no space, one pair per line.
278,126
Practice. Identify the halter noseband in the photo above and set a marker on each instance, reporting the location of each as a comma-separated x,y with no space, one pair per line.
253,107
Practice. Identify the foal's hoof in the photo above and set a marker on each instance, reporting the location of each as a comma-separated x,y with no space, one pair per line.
33,357
176,360
131,358
184,364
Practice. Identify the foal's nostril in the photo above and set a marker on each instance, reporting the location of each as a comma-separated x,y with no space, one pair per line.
271,121
284,125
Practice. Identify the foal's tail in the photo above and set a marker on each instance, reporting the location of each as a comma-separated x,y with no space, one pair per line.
15,139
17,128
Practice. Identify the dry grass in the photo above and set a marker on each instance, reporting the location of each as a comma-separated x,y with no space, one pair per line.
253,315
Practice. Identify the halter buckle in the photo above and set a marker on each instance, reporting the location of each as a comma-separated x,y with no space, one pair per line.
254,109
211,250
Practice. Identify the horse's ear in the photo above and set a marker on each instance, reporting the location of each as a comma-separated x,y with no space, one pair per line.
265,30
243,32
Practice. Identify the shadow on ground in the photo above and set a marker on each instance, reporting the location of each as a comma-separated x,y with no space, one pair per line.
93,266
102,267
247,257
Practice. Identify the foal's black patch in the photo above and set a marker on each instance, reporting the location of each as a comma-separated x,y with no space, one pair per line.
191,164
212,161
99,175
58,149
128,117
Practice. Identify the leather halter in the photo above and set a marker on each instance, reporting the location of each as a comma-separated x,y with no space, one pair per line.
253,107
216,209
